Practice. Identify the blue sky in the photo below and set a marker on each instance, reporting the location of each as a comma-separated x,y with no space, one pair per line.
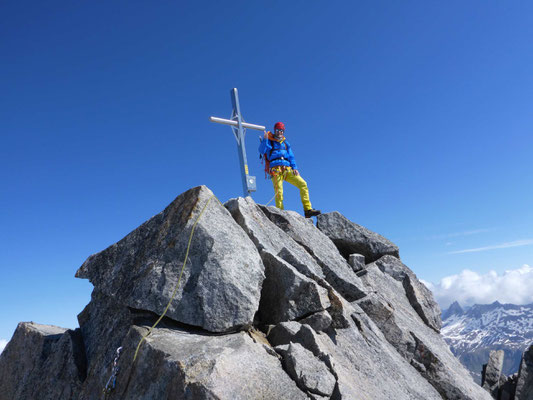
411,118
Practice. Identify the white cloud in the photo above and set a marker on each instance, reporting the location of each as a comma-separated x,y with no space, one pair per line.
525,242
3,344
469,287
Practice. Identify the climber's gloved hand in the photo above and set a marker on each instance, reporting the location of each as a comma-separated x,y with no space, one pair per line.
295,172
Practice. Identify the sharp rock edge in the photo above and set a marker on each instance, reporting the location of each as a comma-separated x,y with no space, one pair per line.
270,307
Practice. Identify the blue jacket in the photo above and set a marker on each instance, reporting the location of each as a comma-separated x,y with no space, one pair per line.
279,154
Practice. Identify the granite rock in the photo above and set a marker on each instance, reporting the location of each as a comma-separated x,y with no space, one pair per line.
176,364
357,262
221,283
336,269
267,236
419,296
309,373
287,294
524,384
268,308
319,321
492,372
356,357
351,238
422,346
508,388
42,361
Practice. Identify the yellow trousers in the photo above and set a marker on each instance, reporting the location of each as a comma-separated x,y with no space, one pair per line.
279,175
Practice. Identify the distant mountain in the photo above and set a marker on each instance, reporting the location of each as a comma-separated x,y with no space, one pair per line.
454,309
473,333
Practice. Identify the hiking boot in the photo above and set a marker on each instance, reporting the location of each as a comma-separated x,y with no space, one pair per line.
311,213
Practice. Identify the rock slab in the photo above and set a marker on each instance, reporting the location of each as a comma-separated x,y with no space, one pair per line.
352,238
287,294
492,372
309,373
42,362
221,283
392,309
337,271
182,365
524,385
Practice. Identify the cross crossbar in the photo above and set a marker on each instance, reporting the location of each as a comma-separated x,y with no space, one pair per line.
235,123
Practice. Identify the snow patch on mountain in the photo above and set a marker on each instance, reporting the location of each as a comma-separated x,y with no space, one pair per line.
472,334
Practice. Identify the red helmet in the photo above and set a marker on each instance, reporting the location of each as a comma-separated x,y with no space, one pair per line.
279,125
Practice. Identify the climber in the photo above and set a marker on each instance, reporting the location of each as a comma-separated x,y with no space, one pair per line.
281,166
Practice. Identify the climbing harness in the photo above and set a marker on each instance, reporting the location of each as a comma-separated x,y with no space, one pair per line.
112,381
280,170
177,284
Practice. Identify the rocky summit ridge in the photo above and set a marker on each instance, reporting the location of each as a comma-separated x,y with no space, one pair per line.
270,306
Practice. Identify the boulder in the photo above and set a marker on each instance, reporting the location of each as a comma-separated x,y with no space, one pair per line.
383,314
309,373
177,364
221,283
357,262
283,332
287,294
267,236
42,362
524,384
286,241
356,356
103,325
367,367
319,321
337,271
419,296
508,388
352,238
392,310
492,372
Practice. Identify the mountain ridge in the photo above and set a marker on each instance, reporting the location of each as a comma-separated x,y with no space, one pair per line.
474,333
270,306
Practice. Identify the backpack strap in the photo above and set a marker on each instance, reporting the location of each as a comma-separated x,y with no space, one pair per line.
267,159
272,147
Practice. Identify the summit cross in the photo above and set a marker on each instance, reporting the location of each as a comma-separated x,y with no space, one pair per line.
238,126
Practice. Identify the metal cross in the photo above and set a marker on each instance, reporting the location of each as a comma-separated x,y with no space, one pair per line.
238,127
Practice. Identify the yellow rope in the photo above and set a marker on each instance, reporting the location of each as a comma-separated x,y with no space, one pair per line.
270,200
177,284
